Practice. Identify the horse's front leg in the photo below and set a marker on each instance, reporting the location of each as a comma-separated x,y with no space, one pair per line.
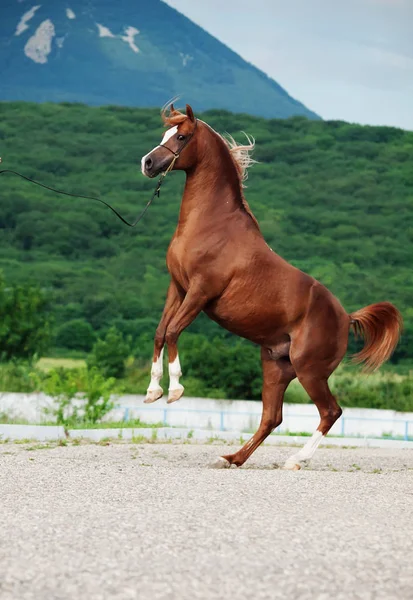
172,304
194,302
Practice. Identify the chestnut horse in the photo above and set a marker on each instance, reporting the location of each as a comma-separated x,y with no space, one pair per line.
220,263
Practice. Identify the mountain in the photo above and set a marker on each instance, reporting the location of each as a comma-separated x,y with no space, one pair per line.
127,52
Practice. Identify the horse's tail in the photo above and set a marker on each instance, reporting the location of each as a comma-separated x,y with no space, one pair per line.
380,325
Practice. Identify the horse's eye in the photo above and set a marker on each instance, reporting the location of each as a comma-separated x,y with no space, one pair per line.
181,137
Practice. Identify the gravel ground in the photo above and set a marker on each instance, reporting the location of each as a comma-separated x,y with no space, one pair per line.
127,521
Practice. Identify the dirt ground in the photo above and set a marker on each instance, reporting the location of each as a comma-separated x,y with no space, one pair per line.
153,521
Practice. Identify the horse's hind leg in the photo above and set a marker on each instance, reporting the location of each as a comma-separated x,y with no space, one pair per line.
317,348
314,356
329,410
277,374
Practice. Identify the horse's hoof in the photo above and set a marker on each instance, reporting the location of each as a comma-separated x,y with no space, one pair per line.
220,463
175,394
291,467
153,395
295,464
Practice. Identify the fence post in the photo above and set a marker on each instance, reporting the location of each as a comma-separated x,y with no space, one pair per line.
222,421
126,414
165,416
342,425
406,430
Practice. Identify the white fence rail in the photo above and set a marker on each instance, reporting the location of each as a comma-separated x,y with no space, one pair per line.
226,415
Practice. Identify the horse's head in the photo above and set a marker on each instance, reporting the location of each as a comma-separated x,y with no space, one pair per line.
176,148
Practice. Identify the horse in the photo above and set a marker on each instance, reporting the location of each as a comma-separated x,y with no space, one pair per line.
220,263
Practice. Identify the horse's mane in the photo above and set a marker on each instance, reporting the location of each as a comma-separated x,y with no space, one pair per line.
239,153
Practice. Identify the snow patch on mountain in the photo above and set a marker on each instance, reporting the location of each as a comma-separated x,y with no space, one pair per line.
185,58
22,25
104,31
39,45
129,38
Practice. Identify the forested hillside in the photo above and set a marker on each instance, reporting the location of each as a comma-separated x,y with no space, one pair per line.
334,199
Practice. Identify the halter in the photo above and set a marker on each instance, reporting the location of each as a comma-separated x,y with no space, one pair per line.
176,154
156,192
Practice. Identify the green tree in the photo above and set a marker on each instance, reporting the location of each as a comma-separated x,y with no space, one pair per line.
234,368
76,334
24,321
109,354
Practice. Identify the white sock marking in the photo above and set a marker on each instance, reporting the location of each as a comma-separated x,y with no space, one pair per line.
174,374
307,451
156,373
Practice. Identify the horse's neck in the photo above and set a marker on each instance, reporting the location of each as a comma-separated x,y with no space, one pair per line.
212,190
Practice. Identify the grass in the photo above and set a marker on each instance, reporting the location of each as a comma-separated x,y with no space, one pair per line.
39,446
6,419
46,364
141,439
296,433
132,424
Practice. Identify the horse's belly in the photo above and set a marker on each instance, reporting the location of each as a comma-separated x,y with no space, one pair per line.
260,324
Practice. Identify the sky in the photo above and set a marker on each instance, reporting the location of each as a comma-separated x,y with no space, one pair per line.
344,59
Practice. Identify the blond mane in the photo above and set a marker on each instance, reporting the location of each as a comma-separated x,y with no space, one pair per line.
240,154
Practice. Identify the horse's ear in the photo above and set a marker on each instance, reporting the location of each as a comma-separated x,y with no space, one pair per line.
190,113
171,109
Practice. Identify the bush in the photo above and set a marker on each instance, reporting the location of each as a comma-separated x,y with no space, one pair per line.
97,392
109,354
227,370
24,321
80,395
76,334
17,376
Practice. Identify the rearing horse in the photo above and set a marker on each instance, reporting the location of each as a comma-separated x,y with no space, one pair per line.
220,263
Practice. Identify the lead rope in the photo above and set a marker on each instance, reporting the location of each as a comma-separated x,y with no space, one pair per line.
156,192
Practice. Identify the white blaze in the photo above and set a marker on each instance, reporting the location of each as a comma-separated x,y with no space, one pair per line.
22,26
170,133
39,45
70,14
